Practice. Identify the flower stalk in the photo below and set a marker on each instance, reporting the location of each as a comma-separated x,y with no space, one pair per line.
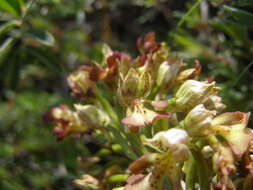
168,124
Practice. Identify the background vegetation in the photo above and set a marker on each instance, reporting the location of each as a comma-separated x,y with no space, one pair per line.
41,41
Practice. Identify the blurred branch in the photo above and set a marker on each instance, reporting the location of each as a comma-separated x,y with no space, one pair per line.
27,8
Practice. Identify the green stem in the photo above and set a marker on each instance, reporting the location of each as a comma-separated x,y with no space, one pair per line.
195,5
107,107
191,174
27,9
203,173
117,129
242,73
136,143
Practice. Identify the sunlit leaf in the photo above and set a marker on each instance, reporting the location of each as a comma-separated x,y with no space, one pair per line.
9,25
41,36
12,6
5,48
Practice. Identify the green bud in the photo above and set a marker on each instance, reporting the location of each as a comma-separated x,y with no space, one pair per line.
92,115
214,103
192,93
136,84
198,121
87,182
80,82
167,72
173,140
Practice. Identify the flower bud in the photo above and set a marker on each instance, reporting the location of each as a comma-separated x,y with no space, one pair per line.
136,84
84,119
80,82
187,74
198,121
87,182
92,115
167,73
214,103
207,151
173,140
192,93
67,122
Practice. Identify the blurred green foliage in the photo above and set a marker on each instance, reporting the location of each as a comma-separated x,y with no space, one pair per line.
40,41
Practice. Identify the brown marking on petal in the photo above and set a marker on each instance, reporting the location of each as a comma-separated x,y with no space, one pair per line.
134,129
232,118
198,68
163,115
141,164
97,73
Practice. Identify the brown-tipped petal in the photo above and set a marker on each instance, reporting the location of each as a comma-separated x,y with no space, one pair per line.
112,60
223,164
187,74
232,126
141,164
97,73
147,44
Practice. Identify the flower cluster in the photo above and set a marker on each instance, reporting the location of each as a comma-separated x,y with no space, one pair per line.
164,119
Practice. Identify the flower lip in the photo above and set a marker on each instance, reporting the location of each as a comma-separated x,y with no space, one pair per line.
232,127
232,118
141,116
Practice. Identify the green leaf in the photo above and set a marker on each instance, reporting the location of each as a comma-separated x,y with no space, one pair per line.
41,36
245,3
239,16
46,59
8,25
5,48
231,29
11,6
13,70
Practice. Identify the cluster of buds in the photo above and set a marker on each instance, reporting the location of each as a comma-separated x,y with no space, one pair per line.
165,120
